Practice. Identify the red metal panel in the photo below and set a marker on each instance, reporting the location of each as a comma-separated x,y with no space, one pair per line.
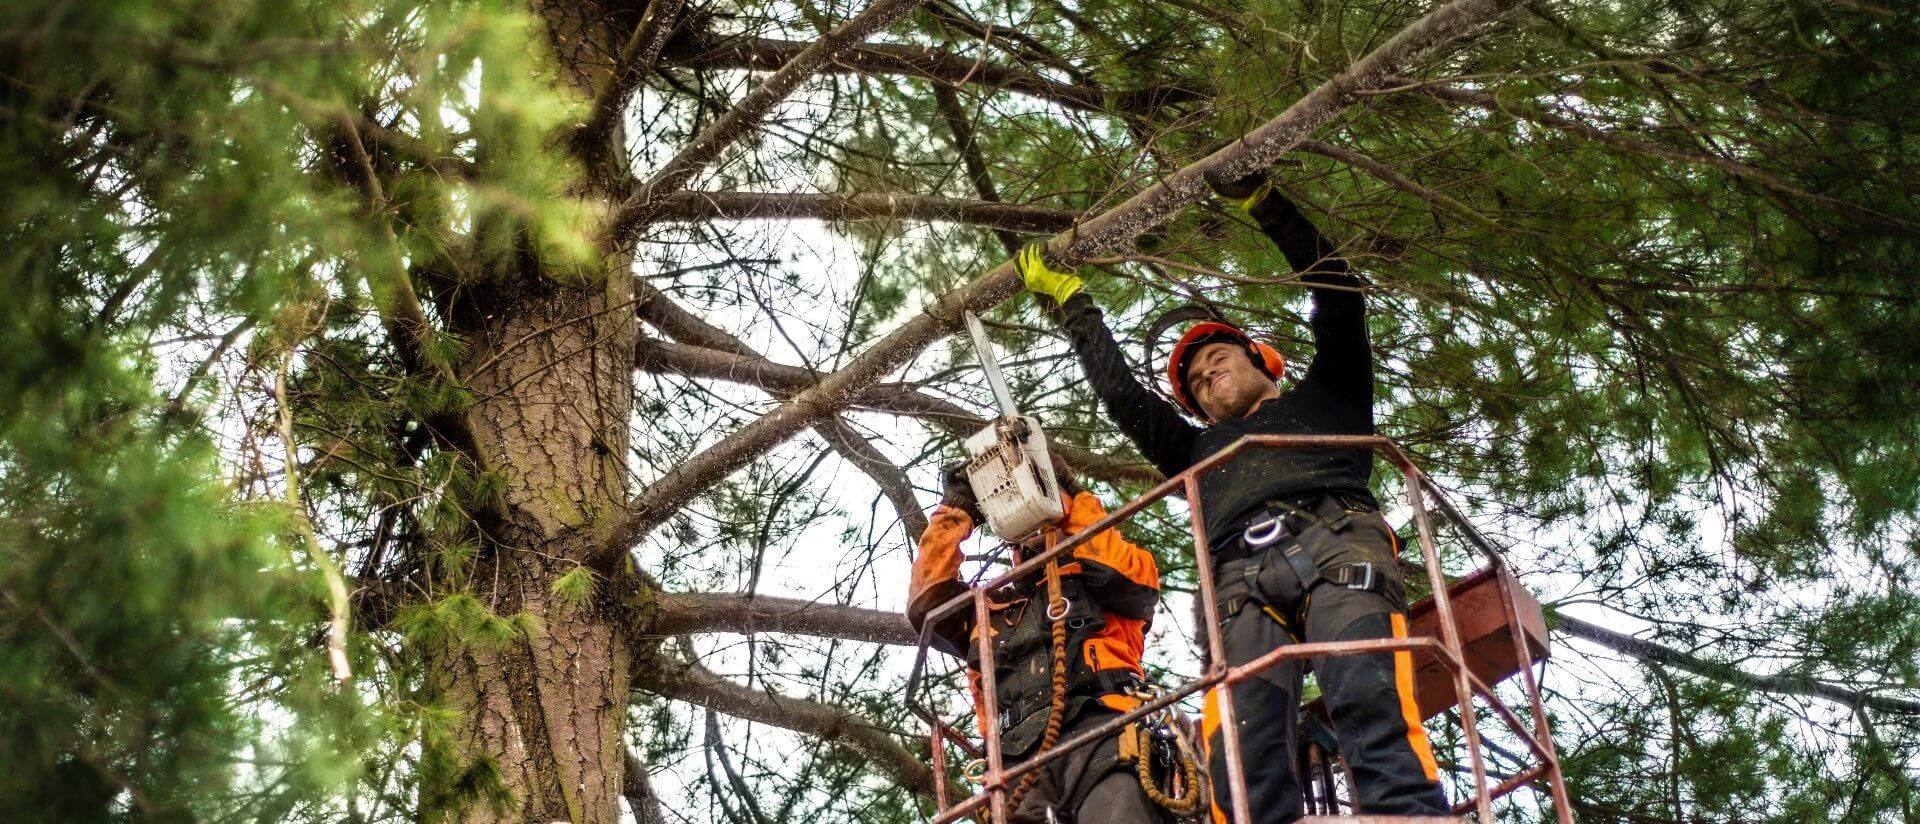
1480,612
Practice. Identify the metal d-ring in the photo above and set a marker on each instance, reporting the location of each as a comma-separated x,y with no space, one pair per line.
975,771
1263,533
1066,605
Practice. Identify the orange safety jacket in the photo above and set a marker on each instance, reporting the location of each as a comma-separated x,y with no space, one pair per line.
1112,587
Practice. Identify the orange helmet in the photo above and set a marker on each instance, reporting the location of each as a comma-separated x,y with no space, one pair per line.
1266,357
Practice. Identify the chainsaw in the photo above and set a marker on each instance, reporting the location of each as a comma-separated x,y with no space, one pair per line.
1007,462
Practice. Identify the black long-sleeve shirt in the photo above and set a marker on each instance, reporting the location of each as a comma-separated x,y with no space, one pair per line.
1335,397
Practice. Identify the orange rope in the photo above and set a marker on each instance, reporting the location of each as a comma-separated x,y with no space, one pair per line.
1056,714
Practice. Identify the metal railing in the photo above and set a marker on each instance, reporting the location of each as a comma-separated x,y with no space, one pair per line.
1448,649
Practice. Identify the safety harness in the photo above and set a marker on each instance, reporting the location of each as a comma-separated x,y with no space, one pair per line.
1273,533
1161,738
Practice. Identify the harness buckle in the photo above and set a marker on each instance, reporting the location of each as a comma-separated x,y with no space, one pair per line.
1366,575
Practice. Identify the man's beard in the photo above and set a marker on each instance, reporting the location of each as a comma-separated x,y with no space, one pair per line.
1241,397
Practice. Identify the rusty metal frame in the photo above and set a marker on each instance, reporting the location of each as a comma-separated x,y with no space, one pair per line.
1448,649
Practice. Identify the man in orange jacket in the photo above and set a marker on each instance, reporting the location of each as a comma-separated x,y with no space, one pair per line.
1111,588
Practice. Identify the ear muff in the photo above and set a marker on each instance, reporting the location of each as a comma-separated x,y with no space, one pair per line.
1270,359
1266,357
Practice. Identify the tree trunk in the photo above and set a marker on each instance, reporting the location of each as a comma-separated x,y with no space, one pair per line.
542,710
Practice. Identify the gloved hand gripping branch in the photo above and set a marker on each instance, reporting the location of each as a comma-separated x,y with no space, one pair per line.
1041,278
1245,193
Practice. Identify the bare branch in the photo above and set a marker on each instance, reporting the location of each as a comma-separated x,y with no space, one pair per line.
884,472
897,398
1387,175
1111,230
697,685
925,62
1778,684
689,206
698,612
732,126
653,306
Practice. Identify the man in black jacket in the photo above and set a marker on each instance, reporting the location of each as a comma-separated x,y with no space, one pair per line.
1301,551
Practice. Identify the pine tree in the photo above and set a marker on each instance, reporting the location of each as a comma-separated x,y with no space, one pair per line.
408,402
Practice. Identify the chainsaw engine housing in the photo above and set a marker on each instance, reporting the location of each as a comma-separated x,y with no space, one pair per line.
1012,477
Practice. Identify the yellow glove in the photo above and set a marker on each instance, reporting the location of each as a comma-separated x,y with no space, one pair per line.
1032,264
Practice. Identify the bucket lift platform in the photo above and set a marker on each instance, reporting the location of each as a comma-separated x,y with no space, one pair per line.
1471,634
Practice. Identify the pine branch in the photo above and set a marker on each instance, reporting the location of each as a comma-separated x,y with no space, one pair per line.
1387,175
777,379
714,612
695,206
729,128
399,307
1106,233
637,57
1777,684
671,317
968,145
891,479
701,612
697,685
930,63
1544,116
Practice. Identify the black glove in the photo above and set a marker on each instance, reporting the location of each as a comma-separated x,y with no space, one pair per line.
957,491
1063,475
1245,193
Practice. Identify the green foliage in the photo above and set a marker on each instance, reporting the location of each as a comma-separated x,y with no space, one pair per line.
575,588
1681,361
177,167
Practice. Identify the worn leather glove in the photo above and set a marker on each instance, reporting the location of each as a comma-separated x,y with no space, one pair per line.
957,491
1042,279
1245,193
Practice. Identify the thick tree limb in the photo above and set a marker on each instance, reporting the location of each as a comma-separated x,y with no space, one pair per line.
1778,684
777,379
697,685
732,126
925,62
690,206
636,58
657,308
698,612
638,790
712,612
1100,235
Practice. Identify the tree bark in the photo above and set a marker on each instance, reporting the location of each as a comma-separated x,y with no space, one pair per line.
542,709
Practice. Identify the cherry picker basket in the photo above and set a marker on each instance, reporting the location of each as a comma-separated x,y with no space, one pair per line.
1469,635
